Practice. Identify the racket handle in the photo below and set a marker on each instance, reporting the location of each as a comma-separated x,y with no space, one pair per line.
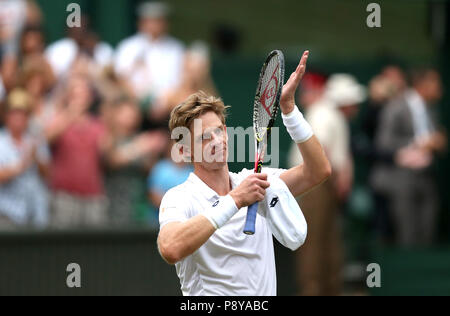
249,227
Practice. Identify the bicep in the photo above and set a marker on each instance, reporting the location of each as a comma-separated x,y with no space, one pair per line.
293,178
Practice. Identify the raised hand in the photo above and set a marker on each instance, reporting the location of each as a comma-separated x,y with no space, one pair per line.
287,100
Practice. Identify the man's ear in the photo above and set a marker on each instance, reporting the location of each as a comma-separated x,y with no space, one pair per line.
226,134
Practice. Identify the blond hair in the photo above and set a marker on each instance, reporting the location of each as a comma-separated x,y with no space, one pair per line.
194,106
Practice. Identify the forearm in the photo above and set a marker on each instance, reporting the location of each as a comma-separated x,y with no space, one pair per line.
179,240
7,174
43,169
313,171
315,162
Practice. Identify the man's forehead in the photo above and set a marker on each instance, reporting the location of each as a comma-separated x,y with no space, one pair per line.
207,121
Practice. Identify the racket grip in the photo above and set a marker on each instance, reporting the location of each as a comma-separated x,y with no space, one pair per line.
249,227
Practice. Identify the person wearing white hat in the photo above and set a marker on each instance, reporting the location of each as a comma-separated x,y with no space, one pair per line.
151,60
344,90
326,104
24,162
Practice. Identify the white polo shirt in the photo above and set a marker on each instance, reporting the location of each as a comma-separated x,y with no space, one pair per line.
151,67
230,262
62,53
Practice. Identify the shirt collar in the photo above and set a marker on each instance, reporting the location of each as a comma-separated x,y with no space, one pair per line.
209,193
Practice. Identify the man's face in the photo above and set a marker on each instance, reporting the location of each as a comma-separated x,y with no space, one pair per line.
155,27
432,87
209,141
79,93
17,121
350,111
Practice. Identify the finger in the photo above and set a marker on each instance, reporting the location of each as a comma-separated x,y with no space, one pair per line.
263,184
261,176
302,64
259,197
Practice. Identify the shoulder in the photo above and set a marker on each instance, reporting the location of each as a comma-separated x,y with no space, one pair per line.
176,202
131,42
179,193
174,41
396,107
174,45
3,138
104,47
323,111
63,44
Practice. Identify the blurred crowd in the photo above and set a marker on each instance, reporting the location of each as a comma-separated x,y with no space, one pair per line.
83,125
399,138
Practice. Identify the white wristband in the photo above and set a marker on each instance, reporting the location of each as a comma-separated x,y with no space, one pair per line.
297,126
221,211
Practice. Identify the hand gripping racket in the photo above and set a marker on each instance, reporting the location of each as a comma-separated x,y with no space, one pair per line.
265,109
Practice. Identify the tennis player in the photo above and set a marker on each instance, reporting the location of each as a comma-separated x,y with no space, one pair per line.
202,220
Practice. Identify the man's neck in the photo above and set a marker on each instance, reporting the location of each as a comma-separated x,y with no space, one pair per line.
420,94
218,180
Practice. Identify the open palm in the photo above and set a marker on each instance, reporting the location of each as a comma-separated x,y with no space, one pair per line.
287,100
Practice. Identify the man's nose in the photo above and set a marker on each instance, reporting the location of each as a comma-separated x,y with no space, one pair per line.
215,137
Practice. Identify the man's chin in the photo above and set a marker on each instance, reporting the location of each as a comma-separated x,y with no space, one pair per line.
215,165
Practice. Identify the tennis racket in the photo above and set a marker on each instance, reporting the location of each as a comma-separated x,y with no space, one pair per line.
265,109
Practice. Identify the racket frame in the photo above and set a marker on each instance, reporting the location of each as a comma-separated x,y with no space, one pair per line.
262,139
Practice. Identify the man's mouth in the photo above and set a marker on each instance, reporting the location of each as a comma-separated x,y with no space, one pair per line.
216,150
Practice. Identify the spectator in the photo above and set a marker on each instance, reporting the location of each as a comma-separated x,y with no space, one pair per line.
37,79
80,43
165,175
196,76
129,157
32,47
327,106
408,130
13,15
77,140
23,166
150,62
384,87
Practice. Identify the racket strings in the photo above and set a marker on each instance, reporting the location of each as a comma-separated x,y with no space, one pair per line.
264,107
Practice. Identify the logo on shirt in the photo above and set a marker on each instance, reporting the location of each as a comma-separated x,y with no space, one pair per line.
274,202
215,203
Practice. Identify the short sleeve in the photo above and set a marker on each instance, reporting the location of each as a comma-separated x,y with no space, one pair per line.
173,208
273,172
